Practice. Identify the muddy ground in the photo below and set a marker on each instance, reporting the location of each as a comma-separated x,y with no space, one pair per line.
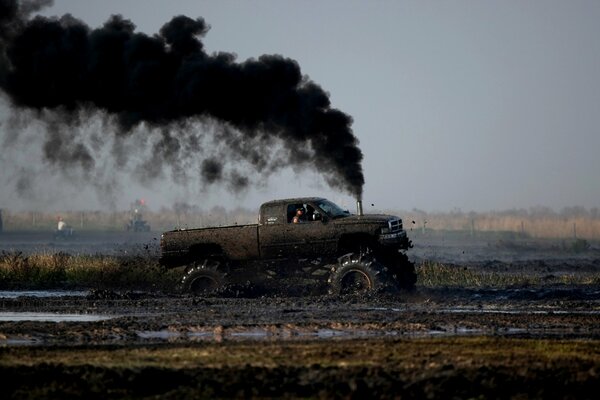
534,341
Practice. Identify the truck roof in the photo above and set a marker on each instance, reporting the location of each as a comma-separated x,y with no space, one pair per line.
294,200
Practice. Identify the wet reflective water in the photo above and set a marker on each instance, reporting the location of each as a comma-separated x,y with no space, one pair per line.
14,294
257,334
477,310
50,317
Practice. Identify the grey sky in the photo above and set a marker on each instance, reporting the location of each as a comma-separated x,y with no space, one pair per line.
476,105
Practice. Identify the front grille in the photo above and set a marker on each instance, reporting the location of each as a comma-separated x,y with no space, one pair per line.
395,225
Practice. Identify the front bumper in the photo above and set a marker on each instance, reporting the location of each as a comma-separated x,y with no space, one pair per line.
397,239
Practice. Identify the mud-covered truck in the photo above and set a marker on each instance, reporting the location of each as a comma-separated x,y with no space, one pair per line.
311,242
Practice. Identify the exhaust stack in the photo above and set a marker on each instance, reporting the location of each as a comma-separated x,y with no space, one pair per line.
359,208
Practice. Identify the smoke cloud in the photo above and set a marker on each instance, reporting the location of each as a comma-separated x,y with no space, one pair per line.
195,114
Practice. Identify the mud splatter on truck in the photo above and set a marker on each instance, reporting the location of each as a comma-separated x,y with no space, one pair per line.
305,241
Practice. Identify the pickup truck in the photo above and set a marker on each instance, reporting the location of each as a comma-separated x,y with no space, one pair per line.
307,239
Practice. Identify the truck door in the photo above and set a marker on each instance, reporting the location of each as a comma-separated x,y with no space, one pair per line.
271,231
303,236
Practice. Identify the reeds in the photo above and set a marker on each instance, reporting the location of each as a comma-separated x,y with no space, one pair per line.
434,274
532,224
522,224
49,270
61,270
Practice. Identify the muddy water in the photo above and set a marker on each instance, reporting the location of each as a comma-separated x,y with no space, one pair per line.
50,317
14,294
162,318
84,242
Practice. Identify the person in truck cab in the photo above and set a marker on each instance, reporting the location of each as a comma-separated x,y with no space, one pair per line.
299,217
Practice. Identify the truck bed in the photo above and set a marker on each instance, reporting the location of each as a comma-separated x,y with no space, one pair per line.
236,242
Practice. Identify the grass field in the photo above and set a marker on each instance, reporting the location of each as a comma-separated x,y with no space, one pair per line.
62,270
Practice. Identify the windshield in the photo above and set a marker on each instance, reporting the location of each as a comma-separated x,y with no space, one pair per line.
332,209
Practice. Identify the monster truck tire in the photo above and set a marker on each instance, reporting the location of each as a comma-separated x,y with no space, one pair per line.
355,274
203,279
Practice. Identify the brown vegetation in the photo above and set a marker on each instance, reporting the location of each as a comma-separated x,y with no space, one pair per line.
538,222
50,270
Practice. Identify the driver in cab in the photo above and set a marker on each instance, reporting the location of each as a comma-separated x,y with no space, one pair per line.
299,217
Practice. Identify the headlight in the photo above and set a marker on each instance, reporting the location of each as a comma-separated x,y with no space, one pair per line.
385,230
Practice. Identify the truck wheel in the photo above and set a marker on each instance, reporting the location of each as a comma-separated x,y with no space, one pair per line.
203,279
358,275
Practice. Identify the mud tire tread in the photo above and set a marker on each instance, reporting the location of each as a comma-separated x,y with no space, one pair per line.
207,270
377,274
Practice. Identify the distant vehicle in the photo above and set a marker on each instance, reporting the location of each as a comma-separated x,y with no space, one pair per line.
305,239
137,226
65,233
136,223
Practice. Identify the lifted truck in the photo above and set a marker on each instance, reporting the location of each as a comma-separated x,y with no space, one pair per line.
340,252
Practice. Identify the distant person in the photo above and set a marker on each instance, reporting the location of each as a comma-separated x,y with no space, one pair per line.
62,225
62,229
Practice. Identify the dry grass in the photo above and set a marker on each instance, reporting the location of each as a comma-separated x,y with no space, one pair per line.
60,269
521,224
547,224
433,274
47,270
399,354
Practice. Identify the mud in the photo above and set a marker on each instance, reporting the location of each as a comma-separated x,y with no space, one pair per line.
539,341
84,242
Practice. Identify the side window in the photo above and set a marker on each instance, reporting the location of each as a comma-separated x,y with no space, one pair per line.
271,215
292,209
306,215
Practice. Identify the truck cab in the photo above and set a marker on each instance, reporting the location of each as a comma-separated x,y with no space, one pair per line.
325,229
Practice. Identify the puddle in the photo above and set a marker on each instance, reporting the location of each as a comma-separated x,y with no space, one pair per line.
20,342
14,294
468,310
251,334
158,335
50,317
476,310
256,334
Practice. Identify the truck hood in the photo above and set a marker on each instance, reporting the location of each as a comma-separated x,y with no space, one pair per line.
365,219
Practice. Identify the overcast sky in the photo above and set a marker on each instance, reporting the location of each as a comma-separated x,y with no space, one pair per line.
476,105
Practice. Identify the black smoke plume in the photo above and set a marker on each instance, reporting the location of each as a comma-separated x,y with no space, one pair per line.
163,82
